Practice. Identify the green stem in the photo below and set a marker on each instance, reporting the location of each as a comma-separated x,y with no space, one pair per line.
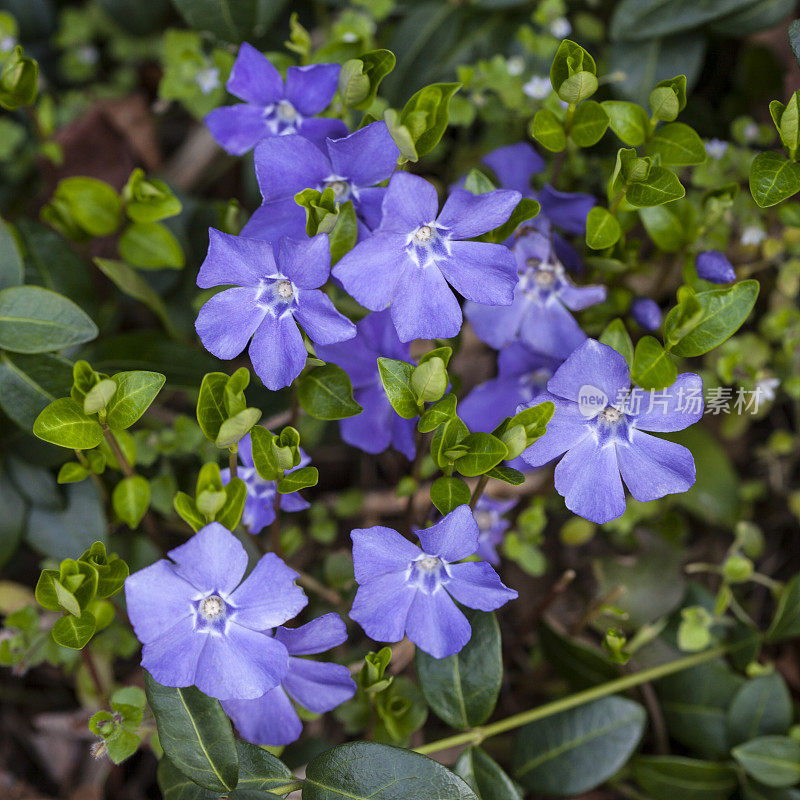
286,788
233,461
478,491
477,735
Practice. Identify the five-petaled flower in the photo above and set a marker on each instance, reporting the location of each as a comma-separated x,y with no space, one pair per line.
408,590
598,427
272,107
539,314
378,425
274,289
201,625
259,505
350,166
315,685
414,253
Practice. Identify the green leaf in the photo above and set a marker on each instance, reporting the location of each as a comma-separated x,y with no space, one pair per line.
231,512
437,414
360,78
576,750
448,493
326,393
724,311
572,73
28,383
149,199
195,734
175,785
548,130
616,335
36,320
485,776
462,689
72,472
186,508
74,632
794,39
12,267
786,622
63,423
98,397
660,776
128,281
526,209
151,245
484,451
772,760
507,474
653,367
135,393
581,665
762,707
660,186
477,182
259,771
298,479
130,499
589,123
211,410
93,205
426,115
628,120
602,229
664,226
229,20
343,237
396,380
236,427
371,771
773,178
678,145
429,380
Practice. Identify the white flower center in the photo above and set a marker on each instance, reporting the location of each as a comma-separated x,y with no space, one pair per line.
611,414
212,608
423,235
339,188
285,290
429,563
285,111
544,277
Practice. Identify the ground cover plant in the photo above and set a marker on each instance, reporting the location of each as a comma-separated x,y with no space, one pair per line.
399,400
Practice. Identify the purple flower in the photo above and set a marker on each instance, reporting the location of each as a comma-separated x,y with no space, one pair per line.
272,107
714,266
539,314
201,624
259,505
273,292
315,685
646,312
414,254
378,425
351,166
598,428
522,375
492,526
405,590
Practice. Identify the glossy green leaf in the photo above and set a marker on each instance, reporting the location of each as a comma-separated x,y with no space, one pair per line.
396,379
211,410
762,707
175,785
576,750
664,226
93,205
237,427
485,776
12,267
677,145
360,78
74,632
771,760
572,71
602,229
660,186
437,414
130,498
28,383
427,113
786,622
259,773
345,232
507,474
228,20
653,367
773,178
462,689
628,120
484,451
548,130
299,479
36,320
660,776
326,393
616,335
235,496
151,245
589,123
448,492
646,19
135,394
429,380
98,397
195,734
724,311
63,423
371,771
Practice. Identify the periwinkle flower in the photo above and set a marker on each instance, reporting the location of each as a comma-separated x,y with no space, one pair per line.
201,624
351,166
522,375
415,253
378,426
646,313
492,526
538,315
599,428
316,685
275,288
272,107
538,87
716,148
713,266
407,590
259,505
